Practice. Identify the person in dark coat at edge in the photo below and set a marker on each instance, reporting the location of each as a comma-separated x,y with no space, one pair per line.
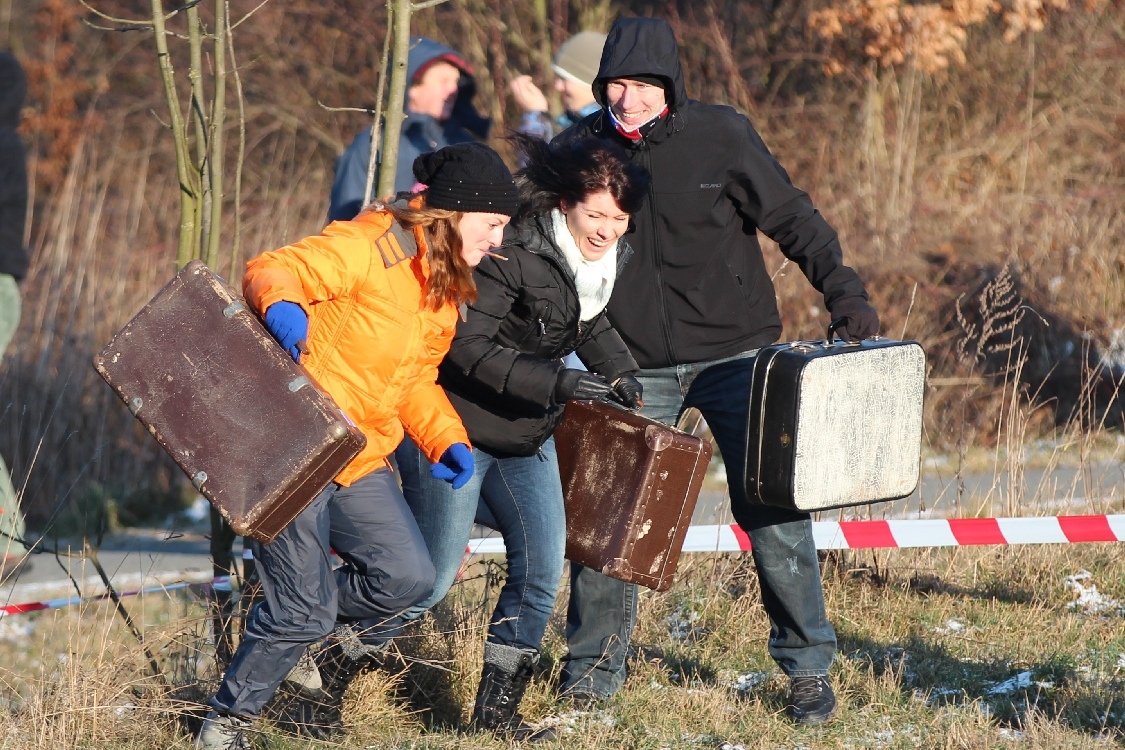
542,300
694,306
439,112
13,267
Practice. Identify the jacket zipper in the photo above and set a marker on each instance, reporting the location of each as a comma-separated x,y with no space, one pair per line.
665,324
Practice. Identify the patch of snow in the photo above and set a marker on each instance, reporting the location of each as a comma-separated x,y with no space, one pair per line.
1091,601
951,626
681,624
1021,681
744,683
567,722
1011,734
1121,661
14,628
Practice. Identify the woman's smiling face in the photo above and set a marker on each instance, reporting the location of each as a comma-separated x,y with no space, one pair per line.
595,223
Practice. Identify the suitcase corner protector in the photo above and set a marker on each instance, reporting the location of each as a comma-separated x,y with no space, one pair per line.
618,566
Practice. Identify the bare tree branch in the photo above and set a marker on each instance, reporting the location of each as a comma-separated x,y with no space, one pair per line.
252,12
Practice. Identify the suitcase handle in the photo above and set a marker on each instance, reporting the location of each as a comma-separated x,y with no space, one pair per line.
835,326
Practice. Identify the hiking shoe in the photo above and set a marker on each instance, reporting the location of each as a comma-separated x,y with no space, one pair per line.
221,732
811,700
304,679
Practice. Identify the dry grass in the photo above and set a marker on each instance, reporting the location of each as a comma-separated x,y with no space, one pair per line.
927,641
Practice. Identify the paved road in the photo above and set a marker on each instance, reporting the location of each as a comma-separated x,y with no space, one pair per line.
141,557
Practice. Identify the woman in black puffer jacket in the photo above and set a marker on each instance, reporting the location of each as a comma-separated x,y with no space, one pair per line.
542,298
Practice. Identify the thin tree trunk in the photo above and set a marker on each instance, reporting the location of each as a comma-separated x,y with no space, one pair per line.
218,115
199,122
396,98
183,172
377,119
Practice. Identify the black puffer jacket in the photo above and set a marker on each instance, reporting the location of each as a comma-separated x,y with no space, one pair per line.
698,288
13,169
501,371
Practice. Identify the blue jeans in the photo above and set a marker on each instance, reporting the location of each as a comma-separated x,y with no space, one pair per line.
603,611
386,570
519,497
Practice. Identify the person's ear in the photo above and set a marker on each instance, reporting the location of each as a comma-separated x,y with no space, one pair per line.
564,207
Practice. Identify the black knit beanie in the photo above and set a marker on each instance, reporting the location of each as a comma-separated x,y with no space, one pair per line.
468,177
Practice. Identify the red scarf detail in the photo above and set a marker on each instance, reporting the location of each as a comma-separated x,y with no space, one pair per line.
636,135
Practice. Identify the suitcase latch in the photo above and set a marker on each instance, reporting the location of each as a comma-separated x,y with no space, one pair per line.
234,308
198,480
298,383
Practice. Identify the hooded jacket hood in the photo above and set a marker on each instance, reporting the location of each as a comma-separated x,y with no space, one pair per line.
13,90
642,47
425,52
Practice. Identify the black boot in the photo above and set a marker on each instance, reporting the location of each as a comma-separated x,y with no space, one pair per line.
503,681
341,660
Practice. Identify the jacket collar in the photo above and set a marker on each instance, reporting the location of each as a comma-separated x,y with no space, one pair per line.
535,235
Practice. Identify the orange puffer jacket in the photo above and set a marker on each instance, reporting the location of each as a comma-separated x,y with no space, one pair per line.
371,344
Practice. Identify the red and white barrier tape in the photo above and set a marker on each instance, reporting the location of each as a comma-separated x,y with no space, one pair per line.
937,532
19,609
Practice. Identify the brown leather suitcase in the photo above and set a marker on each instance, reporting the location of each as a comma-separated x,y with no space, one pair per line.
630,485
246,423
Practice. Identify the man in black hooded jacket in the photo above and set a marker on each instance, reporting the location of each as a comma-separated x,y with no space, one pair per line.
694,306
13,267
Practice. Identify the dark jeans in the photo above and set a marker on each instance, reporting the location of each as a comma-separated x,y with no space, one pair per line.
519,497
603,610
386,570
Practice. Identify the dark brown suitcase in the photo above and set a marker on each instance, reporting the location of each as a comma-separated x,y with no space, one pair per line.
245,422
630,485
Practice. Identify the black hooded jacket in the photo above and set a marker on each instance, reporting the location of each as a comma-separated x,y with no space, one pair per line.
13,169
501,370
698,288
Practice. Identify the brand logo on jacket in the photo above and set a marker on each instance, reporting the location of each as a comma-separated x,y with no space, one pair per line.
707,185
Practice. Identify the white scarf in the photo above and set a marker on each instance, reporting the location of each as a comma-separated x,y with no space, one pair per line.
593,279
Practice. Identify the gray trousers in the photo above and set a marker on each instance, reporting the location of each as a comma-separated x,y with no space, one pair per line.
386,571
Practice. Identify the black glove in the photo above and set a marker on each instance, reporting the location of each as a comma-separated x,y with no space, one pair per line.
579,385
860,319
627,390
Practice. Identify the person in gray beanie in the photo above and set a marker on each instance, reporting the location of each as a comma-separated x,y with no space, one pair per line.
575,66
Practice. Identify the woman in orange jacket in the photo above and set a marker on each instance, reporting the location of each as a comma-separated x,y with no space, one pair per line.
370,307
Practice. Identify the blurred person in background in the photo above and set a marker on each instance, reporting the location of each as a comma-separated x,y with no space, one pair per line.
370,307
694,306
575,66
543,299
439,112
13,267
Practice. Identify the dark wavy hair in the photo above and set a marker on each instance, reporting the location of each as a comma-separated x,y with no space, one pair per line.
570,172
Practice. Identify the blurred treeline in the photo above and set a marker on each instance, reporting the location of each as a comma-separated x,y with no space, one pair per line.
971,155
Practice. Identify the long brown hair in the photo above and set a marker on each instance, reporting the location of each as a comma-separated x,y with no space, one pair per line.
451,278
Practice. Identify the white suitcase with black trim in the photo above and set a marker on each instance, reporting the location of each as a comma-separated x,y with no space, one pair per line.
834,424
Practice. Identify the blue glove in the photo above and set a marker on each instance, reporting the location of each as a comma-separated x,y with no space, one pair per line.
455,466
287,323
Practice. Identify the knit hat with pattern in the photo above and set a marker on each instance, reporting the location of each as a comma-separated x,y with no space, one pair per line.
468,177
